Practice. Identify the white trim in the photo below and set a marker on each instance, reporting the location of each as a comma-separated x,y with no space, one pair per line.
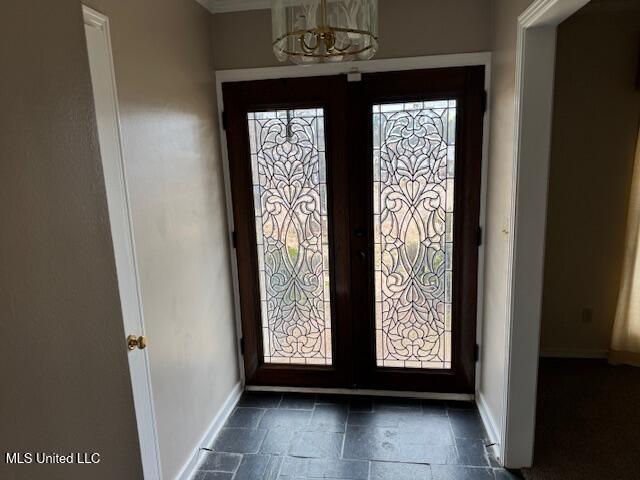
224,6
121,223
535,63
586,353
96,19
548,13
364,392
191,467
369,66
490,425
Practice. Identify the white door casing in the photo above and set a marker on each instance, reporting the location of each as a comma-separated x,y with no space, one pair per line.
355,68
535,69
108,122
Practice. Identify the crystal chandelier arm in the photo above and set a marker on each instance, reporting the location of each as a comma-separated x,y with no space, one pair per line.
316,32
305,46
343,49
324,55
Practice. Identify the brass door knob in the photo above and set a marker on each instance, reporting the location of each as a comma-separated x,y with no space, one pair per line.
139,342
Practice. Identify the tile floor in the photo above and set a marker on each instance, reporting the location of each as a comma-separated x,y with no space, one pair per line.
292,436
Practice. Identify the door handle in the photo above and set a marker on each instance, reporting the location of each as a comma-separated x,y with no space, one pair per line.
134,342
362,254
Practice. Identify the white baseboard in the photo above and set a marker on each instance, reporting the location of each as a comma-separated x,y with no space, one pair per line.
218,421
573,353
489,425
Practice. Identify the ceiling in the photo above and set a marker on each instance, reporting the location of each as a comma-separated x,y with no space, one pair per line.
220,6
595,6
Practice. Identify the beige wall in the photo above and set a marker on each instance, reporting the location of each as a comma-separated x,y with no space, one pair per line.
63,365
407,28
595,126
164,73
502,110
69,384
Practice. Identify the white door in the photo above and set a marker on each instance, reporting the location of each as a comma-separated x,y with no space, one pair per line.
105,97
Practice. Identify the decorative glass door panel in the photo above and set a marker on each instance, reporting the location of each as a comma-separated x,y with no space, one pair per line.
413,192
289,189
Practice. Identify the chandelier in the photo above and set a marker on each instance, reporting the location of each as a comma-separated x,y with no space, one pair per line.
313,31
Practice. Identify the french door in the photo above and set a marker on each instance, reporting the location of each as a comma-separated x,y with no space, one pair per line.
356,209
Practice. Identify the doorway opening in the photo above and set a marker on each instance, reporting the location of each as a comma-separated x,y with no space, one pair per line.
583,400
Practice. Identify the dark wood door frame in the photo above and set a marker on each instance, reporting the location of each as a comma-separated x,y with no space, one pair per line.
330,94
466,85
351,221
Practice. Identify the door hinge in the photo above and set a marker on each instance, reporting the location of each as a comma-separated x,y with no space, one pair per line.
234,239
485,101
242,346
479,236
225,120
476,353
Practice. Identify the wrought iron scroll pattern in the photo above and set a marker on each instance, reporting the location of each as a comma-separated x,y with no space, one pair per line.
289,188
414,151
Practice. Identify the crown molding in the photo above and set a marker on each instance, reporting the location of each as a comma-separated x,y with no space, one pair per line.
223,6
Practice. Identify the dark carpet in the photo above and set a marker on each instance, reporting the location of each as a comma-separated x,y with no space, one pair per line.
588,422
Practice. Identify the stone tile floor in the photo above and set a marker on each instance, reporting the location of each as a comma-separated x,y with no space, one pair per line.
294,436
